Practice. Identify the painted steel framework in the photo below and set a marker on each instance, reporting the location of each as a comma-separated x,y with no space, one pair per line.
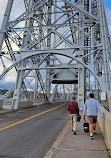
56,43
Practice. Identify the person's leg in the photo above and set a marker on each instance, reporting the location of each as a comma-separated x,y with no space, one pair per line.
94,124
71,118
90,126
74,124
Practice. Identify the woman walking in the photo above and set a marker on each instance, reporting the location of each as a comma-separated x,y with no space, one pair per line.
74,110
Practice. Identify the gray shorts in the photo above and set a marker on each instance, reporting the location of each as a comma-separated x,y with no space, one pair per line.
92,119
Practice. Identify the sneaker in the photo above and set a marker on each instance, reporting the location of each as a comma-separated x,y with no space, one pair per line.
74,132
91,137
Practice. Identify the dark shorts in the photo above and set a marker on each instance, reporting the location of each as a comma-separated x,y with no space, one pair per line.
92,119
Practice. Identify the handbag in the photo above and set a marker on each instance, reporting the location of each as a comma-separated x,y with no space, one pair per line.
78,116
86,126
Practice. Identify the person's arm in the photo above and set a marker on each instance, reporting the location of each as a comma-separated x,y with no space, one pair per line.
85,108
99,109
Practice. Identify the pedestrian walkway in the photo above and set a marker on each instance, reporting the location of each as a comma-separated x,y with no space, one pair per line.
68,145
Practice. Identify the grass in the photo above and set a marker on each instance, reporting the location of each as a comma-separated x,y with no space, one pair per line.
108,150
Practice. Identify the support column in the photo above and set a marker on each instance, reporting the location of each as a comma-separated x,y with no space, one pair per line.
35,90
54,93
63,95
19,81
18,87
5,20
81,88
105,41
48,60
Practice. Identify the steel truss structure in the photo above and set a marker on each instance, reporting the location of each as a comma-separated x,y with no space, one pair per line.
56,43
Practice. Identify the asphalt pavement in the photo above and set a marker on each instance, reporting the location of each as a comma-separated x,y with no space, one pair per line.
30,133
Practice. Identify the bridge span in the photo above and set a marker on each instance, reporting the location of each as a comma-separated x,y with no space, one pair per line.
50,51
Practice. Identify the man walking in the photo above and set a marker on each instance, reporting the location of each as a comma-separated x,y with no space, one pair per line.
74,110
92,107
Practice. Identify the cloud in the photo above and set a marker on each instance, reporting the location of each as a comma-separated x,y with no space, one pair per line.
1,67
17,9
5,85
3,4
8,80
11,76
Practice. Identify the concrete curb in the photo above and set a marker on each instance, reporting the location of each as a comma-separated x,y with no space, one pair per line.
57,141
21,109
5,111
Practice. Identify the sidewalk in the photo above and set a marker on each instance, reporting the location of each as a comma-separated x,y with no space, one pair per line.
68,145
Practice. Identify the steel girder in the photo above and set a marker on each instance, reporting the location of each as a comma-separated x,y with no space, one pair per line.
77,30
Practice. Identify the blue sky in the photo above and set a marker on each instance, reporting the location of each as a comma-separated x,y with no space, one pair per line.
107,3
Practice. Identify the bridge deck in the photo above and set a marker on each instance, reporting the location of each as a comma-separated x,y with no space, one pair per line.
33,131
78,146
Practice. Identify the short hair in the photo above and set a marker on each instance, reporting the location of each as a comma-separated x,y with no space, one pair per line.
91,95
73,98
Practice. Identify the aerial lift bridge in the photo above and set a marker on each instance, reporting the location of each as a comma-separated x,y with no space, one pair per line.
57,47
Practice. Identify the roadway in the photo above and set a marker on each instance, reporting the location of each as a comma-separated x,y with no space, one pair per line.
30,133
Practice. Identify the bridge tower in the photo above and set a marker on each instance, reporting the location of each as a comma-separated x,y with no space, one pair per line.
56,47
